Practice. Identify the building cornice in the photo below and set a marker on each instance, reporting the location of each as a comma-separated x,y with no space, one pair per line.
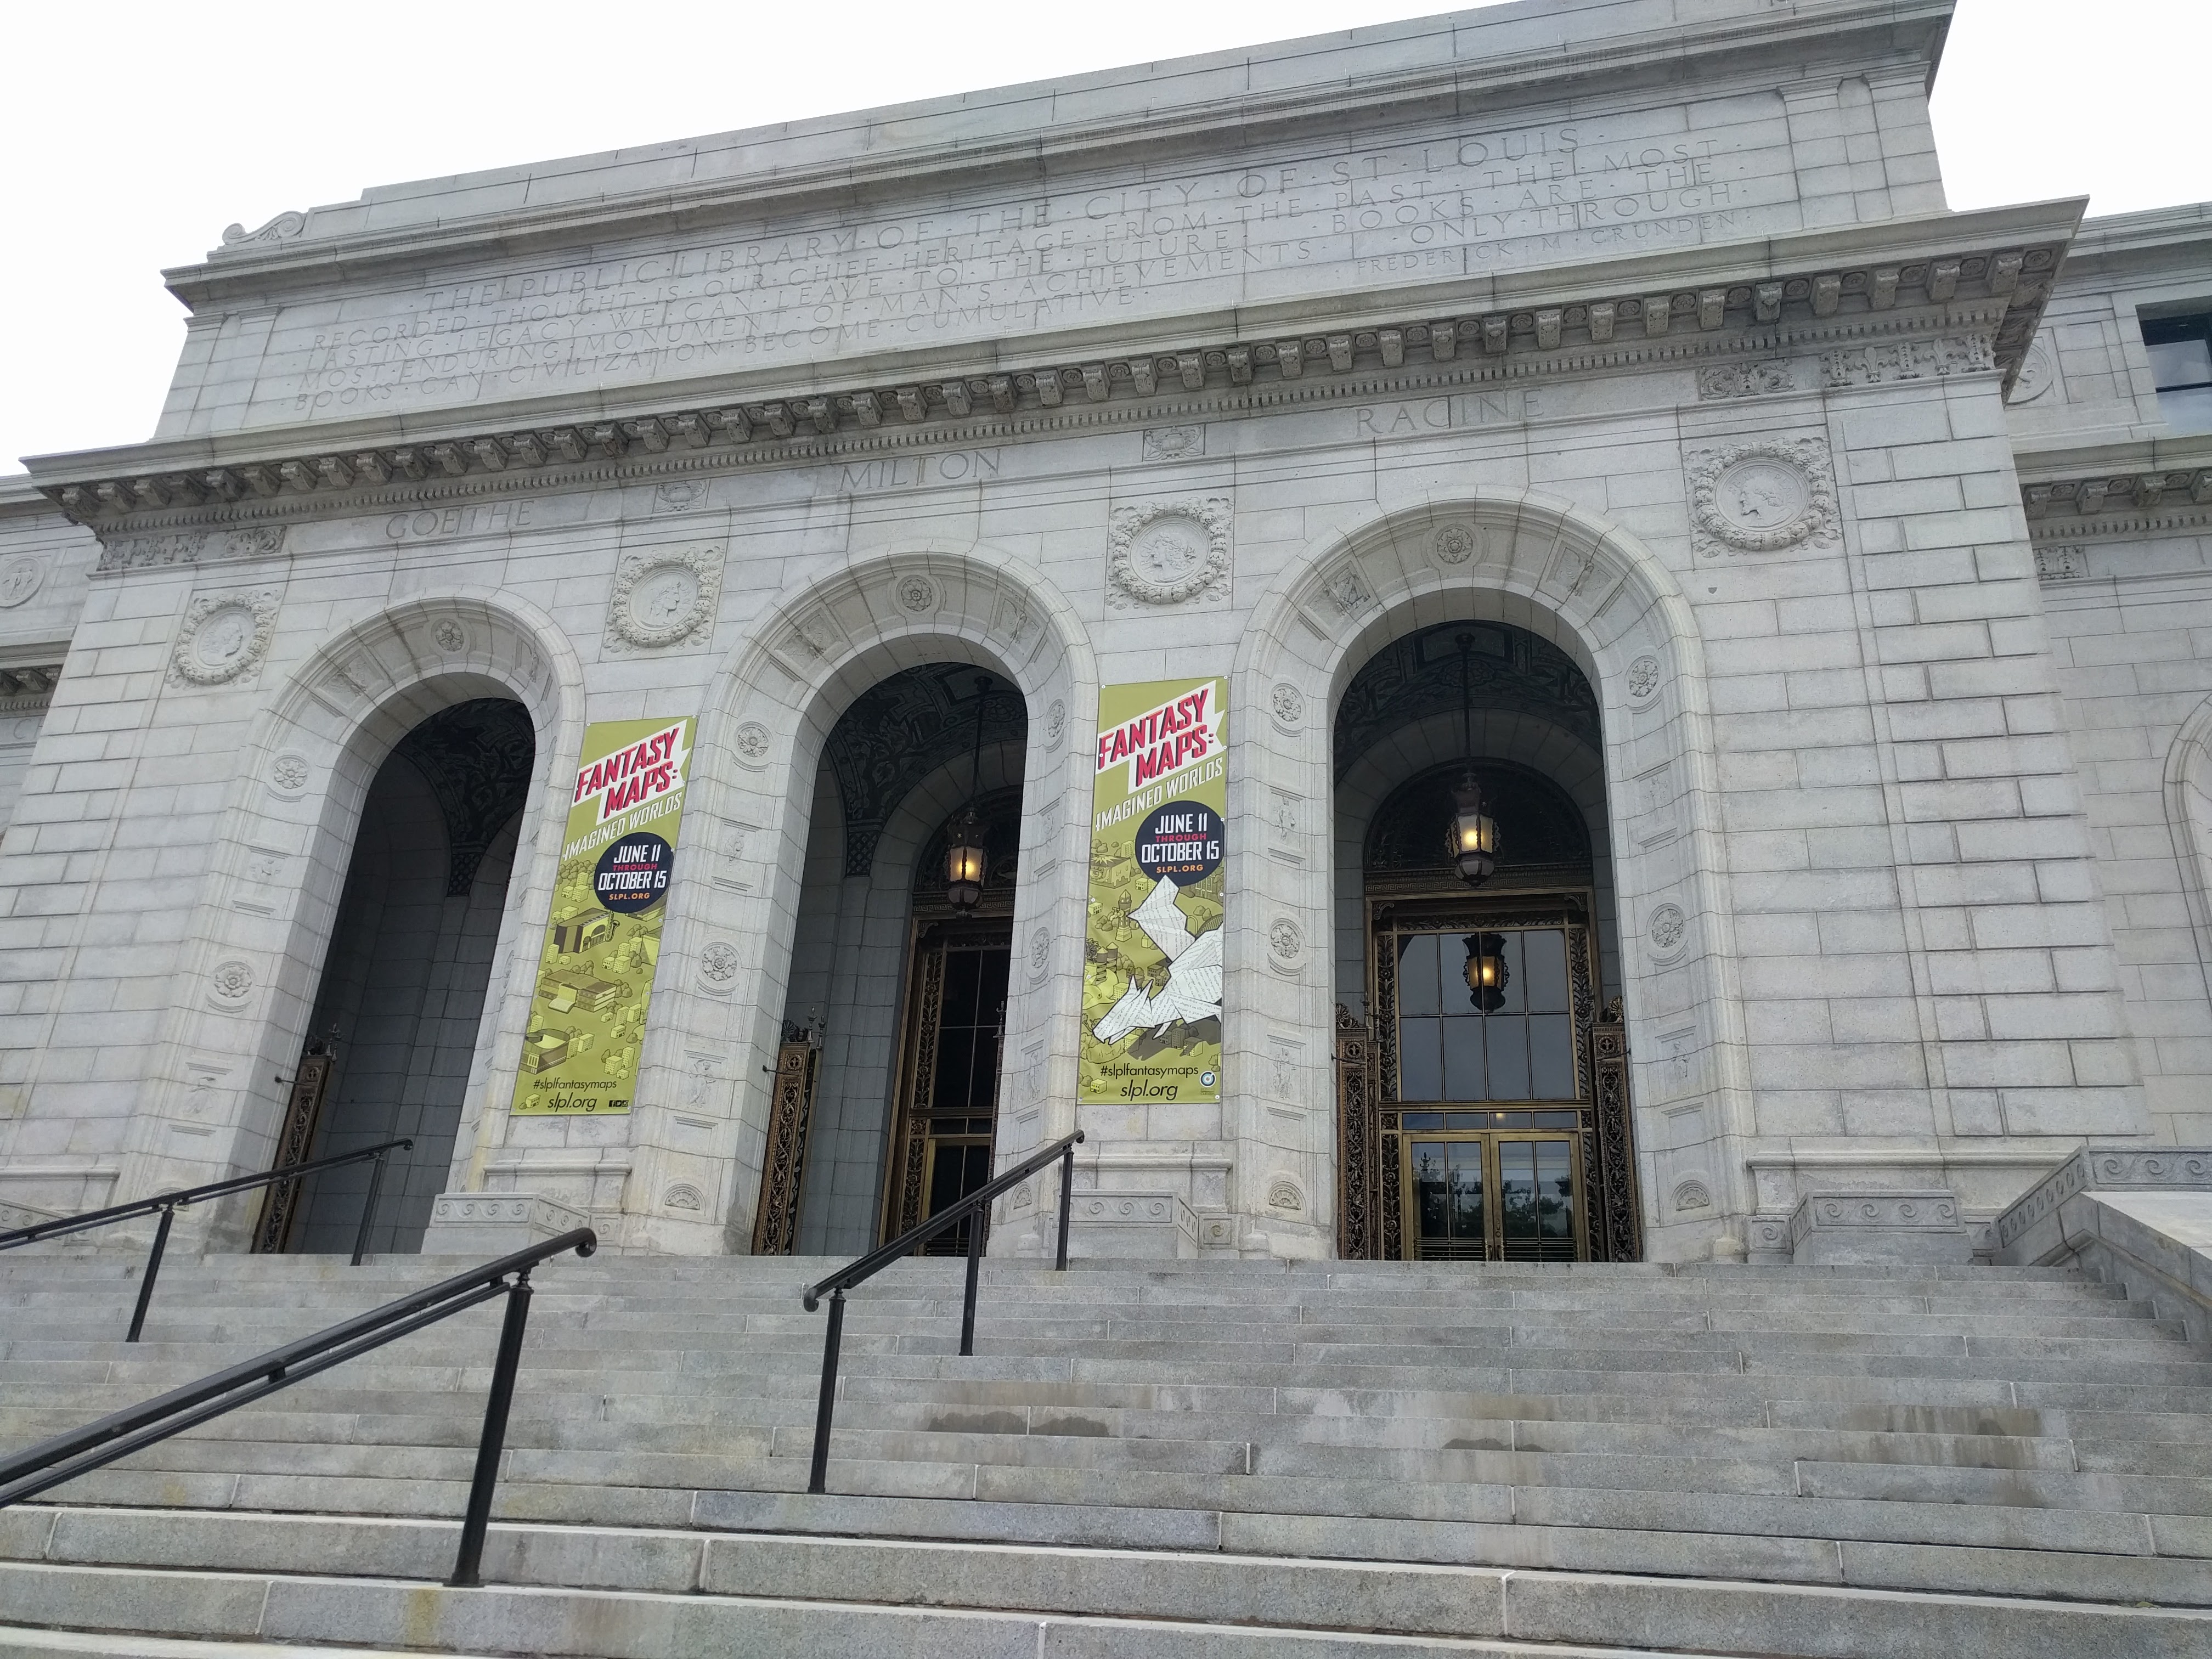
873,168
1717,300
2078,492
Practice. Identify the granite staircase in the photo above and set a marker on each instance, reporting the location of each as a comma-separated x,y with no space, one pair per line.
1160,1460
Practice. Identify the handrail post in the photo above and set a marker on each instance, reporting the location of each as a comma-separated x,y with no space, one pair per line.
1067,1204
975,1219
817,1477
471,1555
153,1267
369,1206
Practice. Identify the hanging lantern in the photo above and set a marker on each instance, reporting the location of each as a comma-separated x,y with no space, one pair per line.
965,861
1474,847
1487,974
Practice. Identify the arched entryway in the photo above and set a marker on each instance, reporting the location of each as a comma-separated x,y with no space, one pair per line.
1482,1111
395,1021
1611,607
895,1012
764,746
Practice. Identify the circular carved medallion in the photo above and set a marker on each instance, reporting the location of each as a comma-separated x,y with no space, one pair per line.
451,636
1643,678
232,982
19,580
2036,376
917,594
1168,551
718,962
1454,543
1289,704
752,741
1667,929
1040,948
1763,497
223,636
288,774
1285,942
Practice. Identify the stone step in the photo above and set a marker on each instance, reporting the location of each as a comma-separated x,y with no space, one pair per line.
645,1488
613,1594
758,1421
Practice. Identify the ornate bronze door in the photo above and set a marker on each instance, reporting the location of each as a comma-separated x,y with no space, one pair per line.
1484,1117
303,1113
791,1118
949,1075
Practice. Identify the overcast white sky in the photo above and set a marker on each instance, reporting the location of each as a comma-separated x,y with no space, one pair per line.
137,131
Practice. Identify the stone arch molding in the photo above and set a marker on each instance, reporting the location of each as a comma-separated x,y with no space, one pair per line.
1605,599
2189,821
268,901
806,658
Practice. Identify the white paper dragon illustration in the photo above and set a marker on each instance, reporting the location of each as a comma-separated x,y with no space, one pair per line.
1193,992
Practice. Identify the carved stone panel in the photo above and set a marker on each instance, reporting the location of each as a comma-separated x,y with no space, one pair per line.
665,598
1763,496
224,638
1167,552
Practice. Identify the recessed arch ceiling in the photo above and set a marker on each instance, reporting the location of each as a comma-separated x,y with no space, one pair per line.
476,756
902,729
1539,825
1417,675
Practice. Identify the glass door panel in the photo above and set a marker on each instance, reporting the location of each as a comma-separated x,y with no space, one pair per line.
1537,1200
1493,1196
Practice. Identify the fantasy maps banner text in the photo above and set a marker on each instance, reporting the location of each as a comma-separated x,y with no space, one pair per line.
588,1016
1151,964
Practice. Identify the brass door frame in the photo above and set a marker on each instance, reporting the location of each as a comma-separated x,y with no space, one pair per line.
1371,1219
1494,1191
791,1122
907,1170
303,1115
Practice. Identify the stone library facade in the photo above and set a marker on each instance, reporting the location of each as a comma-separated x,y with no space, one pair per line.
1498,638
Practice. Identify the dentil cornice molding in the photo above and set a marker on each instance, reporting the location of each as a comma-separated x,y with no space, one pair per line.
1996,293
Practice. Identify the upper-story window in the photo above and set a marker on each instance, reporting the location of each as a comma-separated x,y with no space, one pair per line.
2181,365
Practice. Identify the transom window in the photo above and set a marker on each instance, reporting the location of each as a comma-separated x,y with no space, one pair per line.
1451,1048
2181,367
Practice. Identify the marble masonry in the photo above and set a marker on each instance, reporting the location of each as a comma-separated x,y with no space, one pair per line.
1598,399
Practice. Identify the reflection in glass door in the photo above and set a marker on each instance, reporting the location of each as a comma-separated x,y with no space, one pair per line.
1485,1197
1489,1086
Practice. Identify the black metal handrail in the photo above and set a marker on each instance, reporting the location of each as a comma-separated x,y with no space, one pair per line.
169,1203
856,1273
64,1457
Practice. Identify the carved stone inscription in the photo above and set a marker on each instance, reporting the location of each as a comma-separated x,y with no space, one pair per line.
1454,204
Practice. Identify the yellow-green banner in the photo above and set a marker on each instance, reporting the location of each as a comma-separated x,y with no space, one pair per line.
587,1015
1151,964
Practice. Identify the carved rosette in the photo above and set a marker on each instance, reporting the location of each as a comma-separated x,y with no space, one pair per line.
288,774
224,638
1644,679
665,598
230,986
1167,552
1764,497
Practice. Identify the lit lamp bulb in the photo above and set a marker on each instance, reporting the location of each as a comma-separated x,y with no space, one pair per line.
1487,975
1473,835
963,865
